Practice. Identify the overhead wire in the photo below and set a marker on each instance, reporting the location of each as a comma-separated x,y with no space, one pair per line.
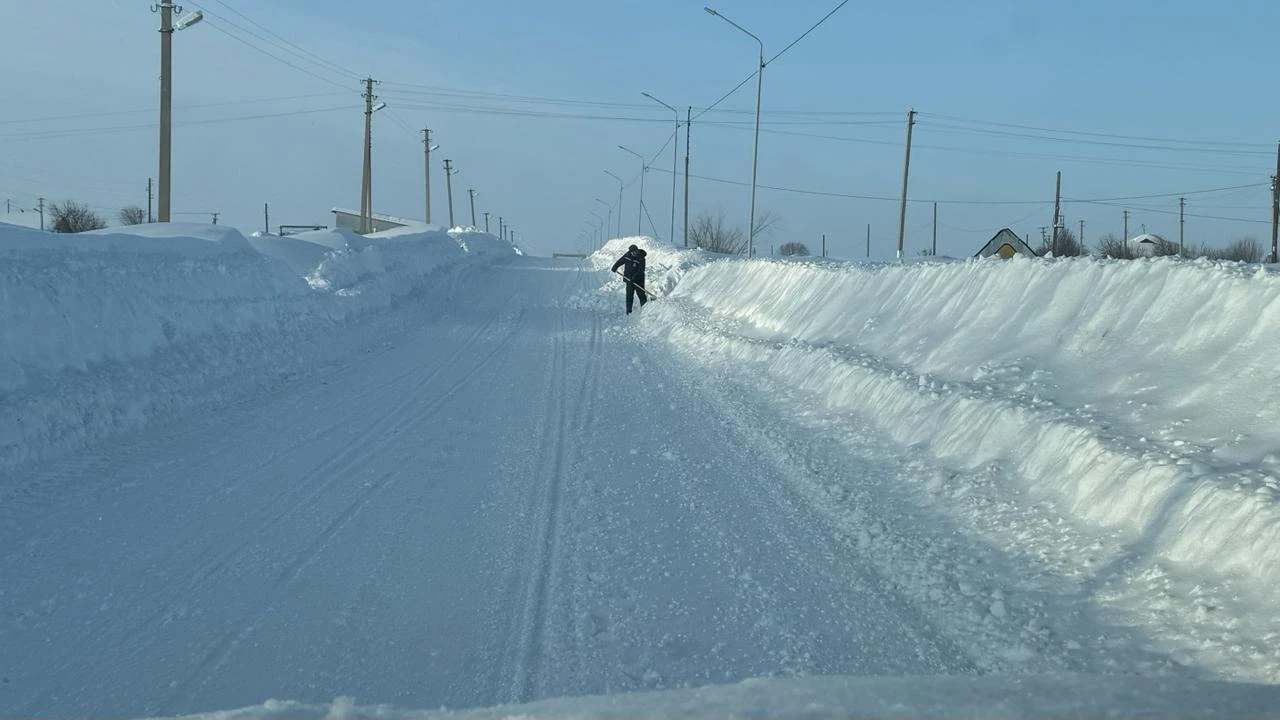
300,51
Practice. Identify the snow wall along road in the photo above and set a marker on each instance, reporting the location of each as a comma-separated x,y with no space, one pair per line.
1141,396
107,331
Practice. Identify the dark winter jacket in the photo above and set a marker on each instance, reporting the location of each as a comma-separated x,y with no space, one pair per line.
632,264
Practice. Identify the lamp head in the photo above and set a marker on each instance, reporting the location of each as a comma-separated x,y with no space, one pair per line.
189,20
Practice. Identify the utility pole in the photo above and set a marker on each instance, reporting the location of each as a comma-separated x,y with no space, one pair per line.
40,209
824,244
486,222
1044,234
868,239
1275,204
215,217
688,128
266,219
1057,204
149,218
906,172
1082,235
448,183
472,193
366,187
166,103
426,170
1125,239
1182,226
501,226
935,229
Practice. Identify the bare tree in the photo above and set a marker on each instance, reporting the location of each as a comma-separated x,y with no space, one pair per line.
1113,247
1245,249
793,248
74,217
132,215
1066,246
713,234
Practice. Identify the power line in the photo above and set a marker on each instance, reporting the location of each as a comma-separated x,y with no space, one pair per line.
81,116
806,32
301,52
214,24
1092,134
45,134
1174,194
944,128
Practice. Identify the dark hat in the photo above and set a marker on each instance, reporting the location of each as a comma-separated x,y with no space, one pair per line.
633,247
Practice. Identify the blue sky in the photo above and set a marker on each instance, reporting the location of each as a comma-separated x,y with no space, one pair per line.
1176,94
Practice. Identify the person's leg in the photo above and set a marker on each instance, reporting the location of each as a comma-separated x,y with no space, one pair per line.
644,296
631,291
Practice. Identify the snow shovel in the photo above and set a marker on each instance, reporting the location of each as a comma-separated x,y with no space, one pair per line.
650,295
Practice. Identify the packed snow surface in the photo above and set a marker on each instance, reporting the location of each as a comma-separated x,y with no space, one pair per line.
421,470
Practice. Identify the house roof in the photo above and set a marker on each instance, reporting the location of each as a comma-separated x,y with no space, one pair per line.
379,216
1005,243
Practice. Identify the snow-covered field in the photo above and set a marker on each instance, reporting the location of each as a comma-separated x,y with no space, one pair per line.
424,470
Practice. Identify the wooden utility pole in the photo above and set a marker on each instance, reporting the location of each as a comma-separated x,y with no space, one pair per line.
824,244
426,170
149,218
906,172
266,218
472,193
448,183
1082,236
366,189
1057,202
1275,204
688,129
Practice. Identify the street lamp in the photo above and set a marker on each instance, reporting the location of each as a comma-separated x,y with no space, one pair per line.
644,168
755,153
167,27
620,184
675,145
610,219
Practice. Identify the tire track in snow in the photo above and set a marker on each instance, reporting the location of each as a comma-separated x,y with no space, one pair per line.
220,654
558,478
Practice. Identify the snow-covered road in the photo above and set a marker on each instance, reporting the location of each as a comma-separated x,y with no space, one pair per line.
512,498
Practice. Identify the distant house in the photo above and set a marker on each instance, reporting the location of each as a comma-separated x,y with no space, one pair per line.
350,220
1005,244
1146,244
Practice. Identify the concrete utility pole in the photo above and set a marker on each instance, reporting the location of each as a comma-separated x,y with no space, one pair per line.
149,218
266,219
448,183
906,172
486,222
688,128
366,185
1182,225
1057,204
824,244
472,193
1125,239
166,103
40,209
935,229
868,239
426,170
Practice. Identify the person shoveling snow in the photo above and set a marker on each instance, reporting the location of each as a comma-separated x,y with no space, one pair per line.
632,275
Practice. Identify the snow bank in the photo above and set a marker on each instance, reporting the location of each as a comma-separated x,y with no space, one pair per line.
943,698
1139,395
105,330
